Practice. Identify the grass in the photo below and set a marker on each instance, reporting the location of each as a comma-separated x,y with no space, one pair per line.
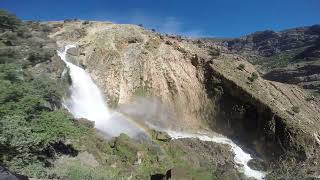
279,60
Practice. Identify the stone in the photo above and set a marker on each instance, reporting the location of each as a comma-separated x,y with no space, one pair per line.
73,51
257,164
139,158
161,136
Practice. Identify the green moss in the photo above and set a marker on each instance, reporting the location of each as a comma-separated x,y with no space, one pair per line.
142,91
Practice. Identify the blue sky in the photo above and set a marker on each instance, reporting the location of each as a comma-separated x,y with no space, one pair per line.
216,18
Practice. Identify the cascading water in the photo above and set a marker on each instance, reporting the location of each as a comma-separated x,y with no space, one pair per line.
241,158
86,101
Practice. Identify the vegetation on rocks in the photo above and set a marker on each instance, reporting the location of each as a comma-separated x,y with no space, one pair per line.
253,77
32,125
241,67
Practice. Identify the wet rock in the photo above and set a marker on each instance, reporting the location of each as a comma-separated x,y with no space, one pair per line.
257,164
73,51
161,136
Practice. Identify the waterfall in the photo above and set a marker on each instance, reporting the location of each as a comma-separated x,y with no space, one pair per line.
87,101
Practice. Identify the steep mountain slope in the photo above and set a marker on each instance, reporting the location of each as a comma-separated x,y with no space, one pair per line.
290,56
200,88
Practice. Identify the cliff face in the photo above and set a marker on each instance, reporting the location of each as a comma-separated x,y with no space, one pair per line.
290,56
268,43
198,87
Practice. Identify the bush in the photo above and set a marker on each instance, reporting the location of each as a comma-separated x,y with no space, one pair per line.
86,22
29,141
214,52
9,55
23,32
8,21
39,56
241,67
10,72
295,109
253,77
33,128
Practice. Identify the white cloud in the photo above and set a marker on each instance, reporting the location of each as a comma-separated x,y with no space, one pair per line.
169,24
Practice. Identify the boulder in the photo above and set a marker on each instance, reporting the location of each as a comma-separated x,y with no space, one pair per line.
257,164
161,136
73,51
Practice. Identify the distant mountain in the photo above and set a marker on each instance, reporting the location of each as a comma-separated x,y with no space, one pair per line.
289,56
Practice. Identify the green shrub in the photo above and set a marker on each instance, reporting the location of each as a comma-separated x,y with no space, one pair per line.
253,77
9,55
214,52
241,67
8,21
40,56
85,22
32,125
10,72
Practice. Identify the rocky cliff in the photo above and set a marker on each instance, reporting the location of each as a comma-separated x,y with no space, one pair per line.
289,56
198,87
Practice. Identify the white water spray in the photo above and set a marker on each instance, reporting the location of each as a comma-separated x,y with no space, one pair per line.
86,101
